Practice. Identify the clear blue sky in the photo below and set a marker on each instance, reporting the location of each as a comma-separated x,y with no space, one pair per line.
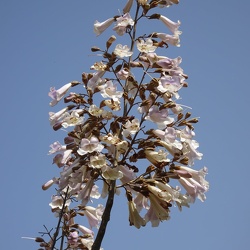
47,43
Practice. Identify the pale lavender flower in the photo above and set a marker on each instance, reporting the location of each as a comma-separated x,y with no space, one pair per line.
170,39
123,74
131,127
94,215
89,146
84,230
194,188
57,147
171,25
57,95
168,140
109,90
96,78
160,117
189,146
170,84
72,239
122,23
170,65
88,190
141,202
55,117
61,159
198,176
158,210
190,150
101,27
128,174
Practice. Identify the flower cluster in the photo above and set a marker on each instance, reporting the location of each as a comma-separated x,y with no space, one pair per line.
138,138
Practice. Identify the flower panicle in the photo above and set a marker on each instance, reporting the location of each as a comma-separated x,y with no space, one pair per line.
125,111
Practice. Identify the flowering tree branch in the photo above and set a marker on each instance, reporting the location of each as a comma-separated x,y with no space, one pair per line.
126,112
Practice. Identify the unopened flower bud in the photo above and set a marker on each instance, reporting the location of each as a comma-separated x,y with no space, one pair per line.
110,41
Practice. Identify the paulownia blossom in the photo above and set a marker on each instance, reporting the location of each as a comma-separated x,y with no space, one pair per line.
127,132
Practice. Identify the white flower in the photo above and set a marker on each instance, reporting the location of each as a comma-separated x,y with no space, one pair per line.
171,25
134,216
100,27
122,23
57,202
57,95
95,111
72,119
131,127
109,90
194,188
99,66
112,174
122,51
156,157
170,39
98,161
96,78
94,215
146,47
55,117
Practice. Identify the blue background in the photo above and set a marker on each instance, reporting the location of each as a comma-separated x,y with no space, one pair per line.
47,43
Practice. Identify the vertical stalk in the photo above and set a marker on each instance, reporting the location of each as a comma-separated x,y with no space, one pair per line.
109,204
59,221
105,217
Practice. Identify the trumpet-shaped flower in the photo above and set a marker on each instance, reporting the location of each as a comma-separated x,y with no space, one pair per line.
131,127
171,25
94,215
101,27
72,119
57,95
156,157
160,117
170,39
57,202
194,188
122,23
170,84
57,147
109,90
89,146
134,217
